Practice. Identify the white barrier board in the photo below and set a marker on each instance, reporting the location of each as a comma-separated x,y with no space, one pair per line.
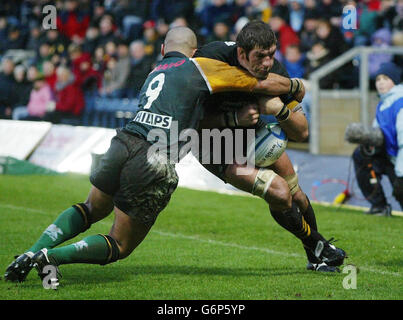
19,138
68,148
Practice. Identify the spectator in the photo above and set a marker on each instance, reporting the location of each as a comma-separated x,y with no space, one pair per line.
98,12
282,10
140,67
217,10
69,97
367,22
49,73
15,39
296,15
308,32
72,22
58,42
380,39
32,73
331,37
387,14
100,59
133,13
238,10
40,101
328,9
107,30
3,32
318,56
6,85
151,39
21,88
170,9
386,160
118,71
221,31
91,40
397,22
110,49
43,55
162,28
285,35
294,62
259,10
333,40
87,77
76,56
34,39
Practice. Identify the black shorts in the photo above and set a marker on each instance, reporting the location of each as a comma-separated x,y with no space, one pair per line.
140,187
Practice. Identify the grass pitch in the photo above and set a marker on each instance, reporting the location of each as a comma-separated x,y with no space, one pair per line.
204,245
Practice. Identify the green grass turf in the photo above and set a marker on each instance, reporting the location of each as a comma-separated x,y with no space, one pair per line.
204,245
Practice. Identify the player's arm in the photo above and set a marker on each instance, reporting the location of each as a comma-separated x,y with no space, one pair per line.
290,117
221,77
280,85
246,116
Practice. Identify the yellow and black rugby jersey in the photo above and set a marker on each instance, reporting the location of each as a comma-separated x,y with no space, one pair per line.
171,98
226,51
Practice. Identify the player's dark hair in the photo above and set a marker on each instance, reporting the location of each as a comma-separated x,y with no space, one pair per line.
256,34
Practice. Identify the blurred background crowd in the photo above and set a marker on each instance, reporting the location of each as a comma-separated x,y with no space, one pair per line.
104,49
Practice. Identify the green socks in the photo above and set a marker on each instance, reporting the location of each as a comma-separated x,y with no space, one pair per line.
96,249
68,224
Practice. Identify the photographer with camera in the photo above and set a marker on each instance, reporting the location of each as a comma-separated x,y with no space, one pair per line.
381,147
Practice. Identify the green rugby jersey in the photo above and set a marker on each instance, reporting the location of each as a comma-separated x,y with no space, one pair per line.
171,98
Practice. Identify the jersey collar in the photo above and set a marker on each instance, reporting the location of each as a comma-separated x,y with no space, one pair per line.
174,54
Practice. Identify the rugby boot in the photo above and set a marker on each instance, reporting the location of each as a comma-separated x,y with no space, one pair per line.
329,254
40,260
18,270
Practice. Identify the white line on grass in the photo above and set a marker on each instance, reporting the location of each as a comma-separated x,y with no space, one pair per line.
210,241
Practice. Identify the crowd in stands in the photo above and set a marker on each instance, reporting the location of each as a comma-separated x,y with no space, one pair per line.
104,49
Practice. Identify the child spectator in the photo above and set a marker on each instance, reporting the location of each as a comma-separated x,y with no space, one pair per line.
40,101
294,62
380,39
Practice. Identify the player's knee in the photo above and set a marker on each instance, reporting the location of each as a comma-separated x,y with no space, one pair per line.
279,196
98,209
272,188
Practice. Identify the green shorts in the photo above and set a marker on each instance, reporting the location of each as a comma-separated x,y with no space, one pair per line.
141,188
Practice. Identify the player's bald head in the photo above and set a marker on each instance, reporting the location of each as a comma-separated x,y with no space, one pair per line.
180,39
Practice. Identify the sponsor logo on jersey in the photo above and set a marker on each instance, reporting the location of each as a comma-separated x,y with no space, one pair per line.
153,119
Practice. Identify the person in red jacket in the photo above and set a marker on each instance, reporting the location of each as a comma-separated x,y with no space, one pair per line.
285,34
72,22
69,97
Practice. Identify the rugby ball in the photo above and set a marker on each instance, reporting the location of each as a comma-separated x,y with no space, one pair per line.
270,143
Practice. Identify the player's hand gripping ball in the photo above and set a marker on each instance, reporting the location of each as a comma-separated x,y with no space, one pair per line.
270,143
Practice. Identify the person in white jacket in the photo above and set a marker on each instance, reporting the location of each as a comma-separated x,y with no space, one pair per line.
371,163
